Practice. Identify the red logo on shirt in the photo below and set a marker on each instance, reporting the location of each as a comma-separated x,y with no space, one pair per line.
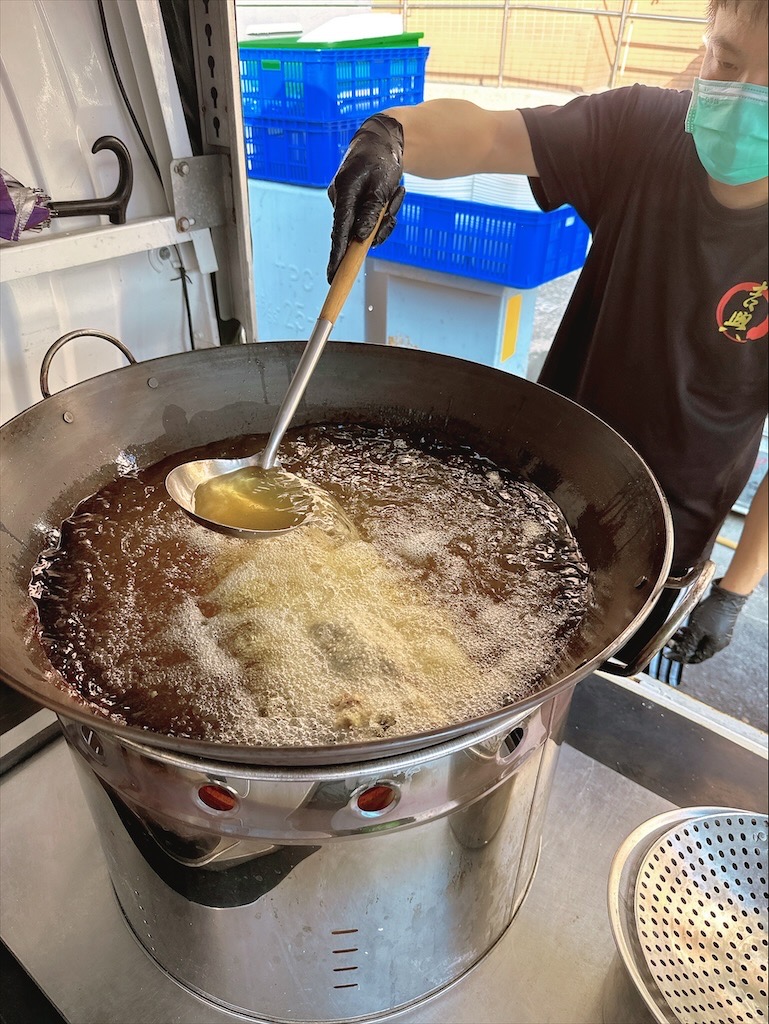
742,312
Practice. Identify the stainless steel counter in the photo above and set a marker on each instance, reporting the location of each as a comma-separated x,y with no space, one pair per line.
62,923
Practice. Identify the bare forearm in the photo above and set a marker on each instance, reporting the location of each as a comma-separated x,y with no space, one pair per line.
447,138
750,560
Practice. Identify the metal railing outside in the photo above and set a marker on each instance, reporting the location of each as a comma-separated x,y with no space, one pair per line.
623,15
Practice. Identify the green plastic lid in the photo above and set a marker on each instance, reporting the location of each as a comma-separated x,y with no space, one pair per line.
292,43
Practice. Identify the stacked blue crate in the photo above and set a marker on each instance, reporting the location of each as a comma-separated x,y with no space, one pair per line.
301,106
461,271
479,262
488,228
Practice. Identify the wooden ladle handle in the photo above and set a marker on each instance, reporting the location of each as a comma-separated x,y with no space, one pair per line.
347,271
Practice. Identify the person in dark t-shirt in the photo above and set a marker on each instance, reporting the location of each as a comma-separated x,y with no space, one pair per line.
665,336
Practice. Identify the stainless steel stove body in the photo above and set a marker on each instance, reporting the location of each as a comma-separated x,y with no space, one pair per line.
633,748
323,893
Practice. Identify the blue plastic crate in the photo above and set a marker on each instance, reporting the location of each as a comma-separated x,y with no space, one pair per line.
295,152
330,85
517,248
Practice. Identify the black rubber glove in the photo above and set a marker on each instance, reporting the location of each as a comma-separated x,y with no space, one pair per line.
710,627
368,179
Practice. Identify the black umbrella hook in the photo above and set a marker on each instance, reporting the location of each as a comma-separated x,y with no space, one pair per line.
113,206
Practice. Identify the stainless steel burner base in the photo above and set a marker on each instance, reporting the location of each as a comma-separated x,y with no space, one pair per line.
61,920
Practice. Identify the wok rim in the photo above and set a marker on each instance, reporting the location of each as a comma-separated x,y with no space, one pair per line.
71,709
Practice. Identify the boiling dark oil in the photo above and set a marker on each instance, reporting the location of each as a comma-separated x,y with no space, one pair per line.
446,589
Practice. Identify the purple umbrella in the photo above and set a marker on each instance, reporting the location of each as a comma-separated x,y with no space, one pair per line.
21,208
26,209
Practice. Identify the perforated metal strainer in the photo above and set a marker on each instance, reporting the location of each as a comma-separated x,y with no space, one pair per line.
689,908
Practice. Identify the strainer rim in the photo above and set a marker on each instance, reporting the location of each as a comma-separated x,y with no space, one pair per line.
621,887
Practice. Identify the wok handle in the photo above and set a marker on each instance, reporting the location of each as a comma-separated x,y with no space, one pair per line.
85,332
697,580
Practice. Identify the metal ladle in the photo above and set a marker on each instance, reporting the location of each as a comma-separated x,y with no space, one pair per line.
183,481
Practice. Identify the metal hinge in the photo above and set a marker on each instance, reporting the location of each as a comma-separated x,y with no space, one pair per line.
198,188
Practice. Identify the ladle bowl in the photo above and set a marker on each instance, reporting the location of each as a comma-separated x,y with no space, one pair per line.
183,481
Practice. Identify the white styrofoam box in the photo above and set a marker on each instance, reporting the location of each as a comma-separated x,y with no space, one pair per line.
355,26
510,190
450,188
279,30
389,303
455,316
291,237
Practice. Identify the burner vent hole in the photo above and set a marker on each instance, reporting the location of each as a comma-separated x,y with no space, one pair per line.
343,968
514,739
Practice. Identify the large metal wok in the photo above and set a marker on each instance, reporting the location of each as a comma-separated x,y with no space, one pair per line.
67,446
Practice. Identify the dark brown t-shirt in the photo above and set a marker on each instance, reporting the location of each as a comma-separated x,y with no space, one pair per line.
665,336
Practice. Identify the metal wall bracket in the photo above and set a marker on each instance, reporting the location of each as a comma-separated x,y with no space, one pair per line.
217,73
198,189
213,57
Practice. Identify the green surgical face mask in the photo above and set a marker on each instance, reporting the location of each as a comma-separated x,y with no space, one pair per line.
730,126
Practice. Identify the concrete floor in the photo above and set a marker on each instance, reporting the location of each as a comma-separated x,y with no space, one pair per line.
735,680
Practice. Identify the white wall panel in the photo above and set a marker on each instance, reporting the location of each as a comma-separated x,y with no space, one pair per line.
137,299
57,96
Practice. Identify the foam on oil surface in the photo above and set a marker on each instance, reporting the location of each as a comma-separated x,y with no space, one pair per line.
452,594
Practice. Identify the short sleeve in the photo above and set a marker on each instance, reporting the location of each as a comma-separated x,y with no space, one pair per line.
590,144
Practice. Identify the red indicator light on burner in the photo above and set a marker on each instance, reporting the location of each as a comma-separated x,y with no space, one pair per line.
217,798
376,798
